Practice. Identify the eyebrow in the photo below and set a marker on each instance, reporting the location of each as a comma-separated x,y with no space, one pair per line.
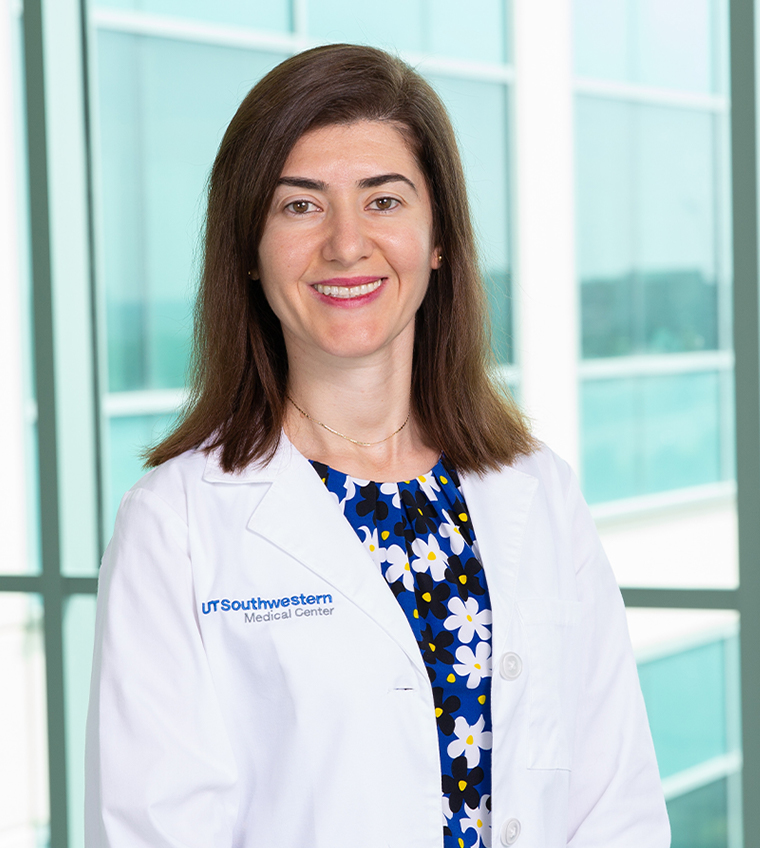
367,182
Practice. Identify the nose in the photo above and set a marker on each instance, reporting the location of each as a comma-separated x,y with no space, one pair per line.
346,240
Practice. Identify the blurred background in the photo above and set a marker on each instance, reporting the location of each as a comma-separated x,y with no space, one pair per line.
596,137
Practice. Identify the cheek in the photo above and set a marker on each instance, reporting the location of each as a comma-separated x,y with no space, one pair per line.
278,265
412,251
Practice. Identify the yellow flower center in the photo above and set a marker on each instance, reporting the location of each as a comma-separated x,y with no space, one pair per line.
462,578
469,740
469,618
462,785
431,645
385,534
426,596
451,678
463,516
477,665
444,480
431,555
482,699
438,712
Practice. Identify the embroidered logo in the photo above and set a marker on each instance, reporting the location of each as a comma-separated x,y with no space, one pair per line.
273,609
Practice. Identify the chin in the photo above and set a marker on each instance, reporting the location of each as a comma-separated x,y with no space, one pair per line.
354,346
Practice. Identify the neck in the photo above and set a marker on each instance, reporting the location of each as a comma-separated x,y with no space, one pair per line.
365,400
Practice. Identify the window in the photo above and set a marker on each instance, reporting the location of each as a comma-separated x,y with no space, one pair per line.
628,346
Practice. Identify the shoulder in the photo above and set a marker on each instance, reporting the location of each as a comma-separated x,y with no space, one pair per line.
547,467
543,472
169,486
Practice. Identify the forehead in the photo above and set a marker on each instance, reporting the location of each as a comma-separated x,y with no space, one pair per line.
354,148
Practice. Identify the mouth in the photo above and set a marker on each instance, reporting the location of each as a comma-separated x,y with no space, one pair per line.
347,292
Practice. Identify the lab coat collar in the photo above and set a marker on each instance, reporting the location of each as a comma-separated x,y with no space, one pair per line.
325,542
499,503
255,472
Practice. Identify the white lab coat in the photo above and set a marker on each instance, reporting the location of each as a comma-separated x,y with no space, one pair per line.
213,727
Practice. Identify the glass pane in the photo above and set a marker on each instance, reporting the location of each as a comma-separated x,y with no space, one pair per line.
78,636
650,434
128,437
689,671
479,113
24,812
163,106
701,818
648,238
675,43
669,43
446,28
675,174
19,517
272,15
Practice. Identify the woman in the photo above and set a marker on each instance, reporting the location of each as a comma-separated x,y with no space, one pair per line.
354,589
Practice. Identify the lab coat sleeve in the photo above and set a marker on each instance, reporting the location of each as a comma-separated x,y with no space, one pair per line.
159,765
616,799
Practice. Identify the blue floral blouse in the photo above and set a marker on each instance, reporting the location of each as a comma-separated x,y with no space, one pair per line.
419,534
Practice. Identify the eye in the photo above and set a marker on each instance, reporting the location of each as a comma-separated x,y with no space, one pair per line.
385,204
300,207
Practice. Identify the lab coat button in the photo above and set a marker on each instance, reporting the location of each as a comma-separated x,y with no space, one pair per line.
510,666
510,832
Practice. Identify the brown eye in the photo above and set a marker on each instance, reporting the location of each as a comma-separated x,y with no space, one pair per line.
299,206
384,204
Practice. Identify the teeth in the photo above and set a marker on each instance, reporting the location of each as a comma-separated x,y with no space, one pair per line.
347,292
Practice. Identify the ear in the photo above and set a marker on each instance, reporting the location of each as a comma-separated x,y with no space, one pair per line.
436,258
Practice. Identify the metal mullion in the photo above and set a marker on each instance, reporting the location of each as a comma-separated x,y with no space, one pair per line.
681,598
21,583
41,271
36,583
744,141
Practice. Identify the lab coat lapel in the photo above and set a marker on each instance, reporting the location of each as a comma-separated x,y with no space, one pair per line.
327,544
499,503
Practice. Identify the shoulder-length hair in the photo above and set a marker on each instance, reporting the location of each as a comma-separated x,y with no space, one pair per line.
239,366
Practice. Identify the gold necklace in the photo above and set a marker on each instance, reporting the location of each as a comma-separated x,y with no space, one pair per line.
348,438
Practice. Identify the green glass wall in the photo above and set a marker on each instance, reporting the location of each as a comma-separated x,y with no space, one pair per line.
652,169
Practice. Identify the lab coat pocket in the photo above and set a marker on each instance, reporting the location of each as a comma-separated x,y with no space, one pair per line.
551,628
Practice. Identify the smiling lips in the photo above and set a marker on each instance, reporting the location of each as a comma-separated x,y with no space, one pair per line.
348,287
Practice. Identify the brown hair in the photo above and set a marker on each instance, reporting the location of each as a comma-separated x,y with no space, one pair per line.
239,366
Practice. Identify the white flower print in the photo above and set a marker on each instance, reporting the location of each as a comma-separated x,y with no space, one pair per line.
468,619
392,489
429,486
430,557
399,567
479,820
469,740
450,531
447,814
352,484
477,665
373,546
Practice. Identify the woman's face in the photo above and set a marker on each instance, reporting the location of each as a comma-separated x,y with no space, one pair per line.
347,248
